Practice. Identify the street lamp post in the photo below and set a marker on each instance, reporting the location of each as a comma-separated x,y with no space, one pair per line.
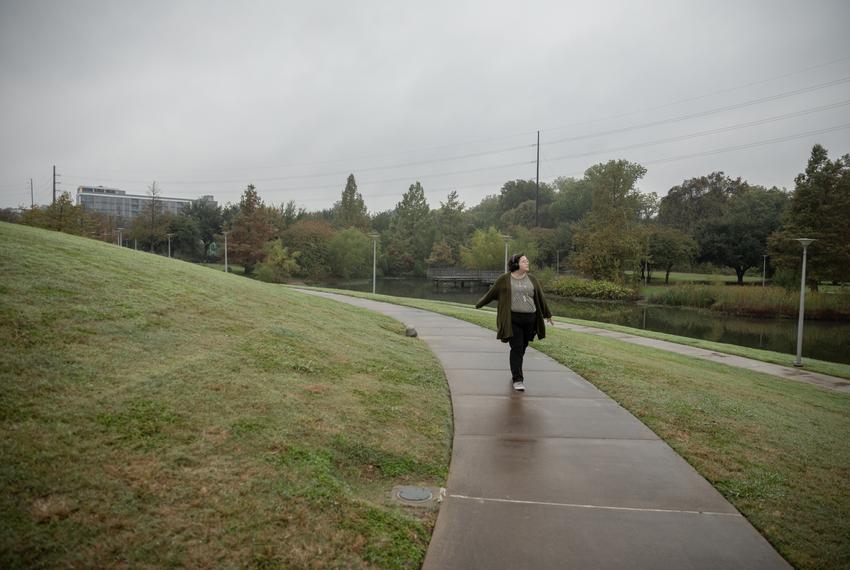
507,239
763,269
169,244
374,236
225,250
799,360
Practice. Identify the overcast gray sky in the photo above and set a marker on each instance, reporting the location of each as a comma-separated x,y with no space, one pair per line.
205,97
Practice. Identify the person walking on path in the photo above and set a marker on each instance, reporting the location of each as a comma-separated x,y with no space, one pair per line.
520,312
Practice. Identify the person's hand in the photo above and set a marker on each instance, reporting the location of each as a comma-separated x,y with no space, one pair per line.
550,321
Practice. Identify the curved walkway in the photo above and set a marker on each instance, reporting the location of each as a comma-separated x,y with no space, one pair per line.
562,476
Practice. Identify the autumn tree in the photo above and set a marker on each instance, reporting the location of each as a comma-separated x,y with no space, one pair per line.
253,227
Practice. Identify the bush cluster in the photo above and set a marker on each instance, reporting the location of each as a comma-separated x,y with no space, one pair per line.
604,290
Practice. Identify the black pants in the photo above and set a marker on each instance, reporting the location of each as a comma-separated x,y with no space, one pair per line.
524,326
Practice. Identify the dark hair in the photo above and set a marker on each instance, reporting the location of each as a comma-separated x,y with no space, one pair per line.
513,261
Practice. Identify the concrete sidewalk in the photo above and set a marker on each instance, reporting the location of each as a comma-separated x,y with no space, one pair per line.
562,476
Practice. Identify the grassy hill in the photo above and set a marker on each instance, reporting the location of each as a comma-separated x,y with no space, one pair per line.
155,413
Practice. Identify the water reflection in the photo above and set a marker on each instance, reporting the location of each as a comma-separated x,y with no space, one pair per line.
824,340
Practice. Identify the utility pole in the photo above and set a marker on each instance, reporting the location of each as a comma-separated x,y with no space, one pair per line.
32,198
54,183
537,195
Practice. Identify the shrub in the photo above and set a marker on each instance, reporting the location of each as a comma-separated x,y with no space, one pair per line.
605,290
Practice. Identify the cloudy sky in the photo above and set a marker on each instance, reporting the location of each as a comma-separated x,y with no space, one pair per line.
205,97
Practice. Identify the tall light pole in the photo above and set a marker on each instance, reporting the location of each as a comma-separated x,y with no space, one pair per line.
507,238
374,236
799,361
225,250
763,269
169,244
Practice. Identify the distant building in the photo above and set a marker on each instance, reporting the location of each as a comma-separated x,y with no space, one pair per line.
118,204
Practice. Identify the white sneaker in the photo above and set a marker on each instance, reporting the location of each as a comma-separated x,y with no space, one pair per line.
519,386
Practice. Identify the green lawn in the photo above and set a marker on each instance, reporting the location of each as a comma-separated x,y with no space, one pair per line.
682,277
157,414
777,449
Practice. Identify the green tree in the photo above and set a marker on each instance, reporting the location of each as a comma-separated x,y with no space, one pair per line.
289,214
515,192
698,200
209,220
669,247
253,227
350,210
279,264
412,231
487,213
350,253
452,227
524,240
486,250
738,239
310,238
62,216
186,239
607,239
819,208
572,202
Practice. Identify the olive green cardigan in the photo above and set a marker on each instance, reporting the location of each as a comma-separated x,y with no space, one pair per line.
501,292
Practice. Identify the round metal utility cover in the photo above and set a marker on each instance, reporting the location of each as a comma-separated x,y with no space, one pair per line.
415,494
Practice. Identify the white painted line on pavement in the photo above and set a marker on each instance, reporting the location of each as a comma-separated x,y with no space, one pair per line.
485,499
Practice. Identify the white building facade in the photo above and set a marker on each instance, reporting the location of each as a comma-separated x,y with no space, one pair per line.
118,204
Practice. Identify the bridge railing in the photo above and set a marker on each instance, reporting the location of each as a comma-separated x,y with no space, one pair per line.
461,274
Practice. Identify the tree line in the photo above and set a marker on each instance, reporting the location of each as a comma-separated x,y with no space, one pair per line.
600,225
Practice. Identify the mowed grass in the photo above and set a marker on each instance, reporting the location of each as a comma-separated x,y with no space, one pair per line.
155,414
778,450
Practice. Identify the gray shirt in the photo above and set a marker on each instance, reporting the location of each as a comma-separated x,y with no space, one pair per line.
522,295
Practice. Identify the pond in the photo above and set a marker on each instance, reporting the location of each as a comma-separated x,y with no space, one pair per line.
824,340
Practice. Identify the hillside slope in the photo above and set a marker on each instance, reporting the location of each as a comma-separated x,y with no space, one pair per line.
158,413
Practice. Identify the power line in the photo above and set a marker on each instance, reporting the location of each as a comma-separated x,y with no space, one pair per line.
708,132
327,174
714,111
702,96
734,148
508,149
749,145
